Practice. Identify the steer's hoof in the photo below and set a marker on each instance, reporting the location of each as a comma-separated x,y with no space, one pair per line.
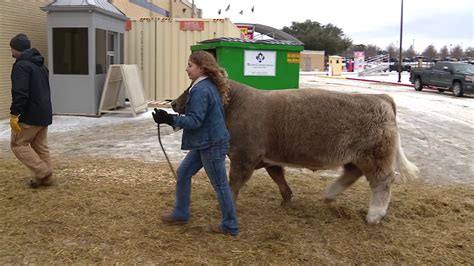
329,200
372,222
374,218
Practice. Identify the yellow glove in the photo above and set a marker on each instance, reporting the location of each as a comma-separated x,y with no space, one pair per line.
14,123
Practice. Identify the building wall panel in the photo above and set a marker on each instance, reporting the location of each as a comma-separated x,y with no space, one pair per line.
161,50
19,17
136,9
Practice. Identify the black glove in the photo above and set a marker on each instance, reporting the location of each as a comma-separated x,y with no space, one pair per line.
162,117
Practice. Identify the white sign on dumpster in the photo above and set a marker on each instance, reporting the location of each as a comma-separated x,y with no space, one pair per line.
259,63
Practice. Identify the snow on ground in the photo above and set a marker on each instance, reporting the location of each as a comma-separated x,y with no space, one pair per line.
437,131
111,135
385,77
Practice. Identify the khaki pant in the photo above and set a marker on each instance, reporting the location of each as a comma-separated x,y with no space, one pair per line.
30,146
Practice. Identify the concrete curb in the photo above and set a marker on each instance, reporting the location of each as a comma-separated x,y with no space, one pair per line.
374,81
333,77
368,80
385,82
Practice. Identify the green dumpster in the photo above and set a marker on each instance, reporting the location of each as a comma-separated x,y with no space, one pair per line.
262,64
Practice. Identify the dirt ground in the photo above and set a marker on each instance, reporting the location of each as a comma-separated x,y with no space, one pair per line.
113,183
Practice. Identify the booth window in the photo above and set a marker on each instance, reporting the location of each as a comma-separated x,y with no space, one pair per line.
70,51
111,42
100,51
122,59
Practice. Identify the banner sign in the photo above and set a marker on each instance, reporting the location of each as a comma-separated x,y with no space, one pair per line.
359,61
191,25
246,31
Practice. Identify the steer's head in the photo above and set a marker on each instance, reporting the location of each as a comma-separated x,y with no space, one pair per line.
179,104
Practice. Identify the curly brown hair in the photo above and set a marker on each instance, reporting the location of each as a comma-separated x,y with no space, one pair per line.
213,71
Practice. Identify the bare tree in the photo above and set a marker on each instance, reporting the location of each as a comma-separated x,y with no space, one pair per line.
392,51
457,52
430,52
410,52
372,50
469,53
443,52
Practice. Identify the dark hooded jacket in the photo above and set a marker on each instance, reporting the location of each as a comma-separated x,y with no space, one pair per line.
31,95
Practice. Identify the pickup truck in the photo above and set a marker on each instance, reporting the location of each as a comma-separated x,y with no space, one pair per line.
452,76
394,67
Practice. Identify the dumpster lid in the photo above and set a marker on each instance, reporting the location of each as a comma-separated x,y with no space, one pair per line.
238,40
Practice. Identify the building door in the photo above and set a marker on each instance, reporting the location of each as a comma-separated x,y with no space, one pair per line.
307,64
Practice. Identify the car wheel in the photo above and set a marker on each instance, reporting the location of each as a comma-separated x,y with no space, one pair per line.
418,84
457,89
441,90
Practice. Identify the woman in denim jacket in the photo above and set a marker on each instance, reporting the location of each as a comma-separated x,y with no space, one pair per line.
206,137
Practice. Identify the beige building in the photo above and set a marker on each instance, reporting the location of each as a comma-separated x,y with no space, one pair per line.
136,9
311,60
18,18
26,17
161,46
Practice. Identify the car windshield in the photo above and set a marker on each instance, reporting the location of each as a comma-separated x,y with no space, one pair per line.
464,68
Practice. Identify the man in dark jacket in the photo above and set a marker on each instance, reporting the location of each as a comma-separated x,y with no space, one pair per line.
31,111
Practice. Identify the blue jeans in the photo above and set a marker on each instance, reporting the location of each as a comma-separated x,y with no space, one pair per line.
213,160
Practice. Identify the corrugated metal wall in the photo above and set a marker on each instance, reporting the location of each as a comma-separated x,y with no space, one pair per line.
19,17
161,50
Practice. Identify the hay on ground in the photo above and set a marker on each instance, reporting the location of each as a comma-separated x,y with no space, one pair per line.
107,211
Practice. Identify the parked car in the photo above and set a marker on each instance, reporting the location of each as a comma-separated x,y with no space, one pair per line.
394,67
444,75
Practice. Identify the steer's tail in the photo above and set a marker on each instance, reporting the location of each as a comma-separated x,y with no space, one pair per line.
407,170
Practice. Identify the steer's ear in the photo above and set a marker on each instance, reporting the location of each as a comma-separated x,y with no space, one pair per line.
179,104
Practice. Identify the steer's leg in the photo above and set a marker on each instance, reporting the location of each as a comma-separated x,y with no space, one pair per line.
240,173
380,196
349,176
278,175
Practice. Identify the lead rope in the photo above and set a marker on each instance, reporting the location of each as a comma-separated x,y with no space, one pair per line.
166,155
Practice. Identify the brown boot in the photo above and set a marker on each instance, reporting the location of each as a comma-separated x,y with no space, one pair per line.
168,218
217,228
45,181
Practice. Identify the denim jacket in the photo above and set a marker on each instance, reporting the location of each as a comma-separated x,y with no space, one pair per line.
204,120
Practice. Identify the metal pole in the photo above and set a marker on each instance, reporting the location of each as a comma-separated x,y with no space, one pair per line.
192,12
401,46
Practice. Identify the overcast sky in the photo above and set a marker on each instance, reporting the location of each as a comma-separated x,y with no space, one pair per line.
425,22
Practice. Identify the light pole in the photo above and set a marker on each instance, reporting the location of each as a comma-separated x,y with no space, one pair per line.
401,46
